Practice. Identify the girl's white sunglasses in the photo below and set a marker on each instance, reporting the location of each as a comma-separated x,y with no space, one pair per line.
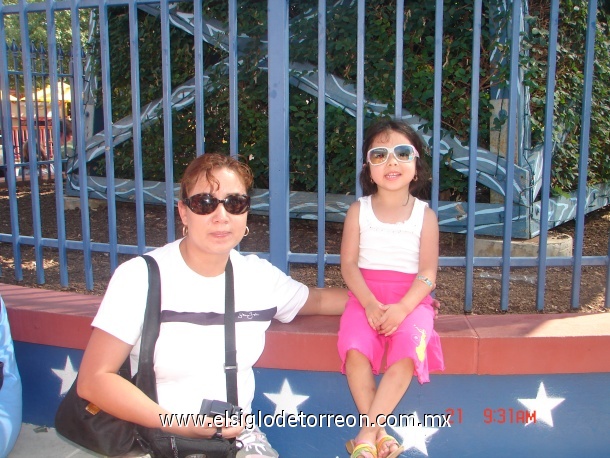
402,153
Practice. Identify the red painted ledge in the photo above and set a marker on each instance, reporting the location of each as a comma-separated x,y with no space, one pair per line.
482,344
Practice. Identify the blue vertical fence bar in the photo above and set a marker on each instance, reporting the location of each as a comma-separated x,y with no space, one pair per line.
108,143
607,263
78,111
33,140
583,159
547,153
510,151
38,57
321,260
438,98
400,23
16,77
435,148
233,77
57,160
166,64
7,141
279,154
472,162
199,79
360,93
137,127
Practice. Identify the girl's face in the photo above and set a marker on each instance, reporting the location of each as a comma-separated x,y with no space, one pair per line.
219,231
393,174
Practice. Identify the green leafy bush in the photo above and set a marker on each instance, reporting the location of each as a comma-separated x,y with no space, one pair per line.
569,91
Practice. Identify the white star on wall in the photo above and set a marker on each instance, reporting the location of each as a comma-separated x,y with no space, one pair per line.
415,436
67,375
542,405
286,402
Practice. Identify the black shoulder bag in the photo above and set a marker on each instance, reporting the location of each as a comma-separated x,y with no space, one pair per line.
85,424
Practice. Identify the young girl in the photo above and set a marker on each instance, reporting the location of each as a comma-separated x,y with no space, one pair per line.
389,259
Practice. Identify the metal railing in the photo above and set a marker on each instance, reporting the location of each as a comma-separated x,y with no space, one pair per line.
279,67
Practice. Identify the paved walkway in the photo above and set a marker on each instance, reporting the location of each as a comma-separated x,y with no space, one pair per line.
39,441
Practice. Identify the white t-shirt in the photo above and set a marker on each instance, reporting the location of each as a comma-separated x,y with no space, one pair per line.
390,246
189,357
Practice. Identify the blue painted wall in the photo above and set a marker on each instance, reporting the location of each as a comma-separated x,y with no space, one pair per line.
489,412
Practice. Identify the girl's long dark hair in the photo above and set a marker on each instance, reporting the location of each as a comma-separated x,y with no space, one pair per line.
384,126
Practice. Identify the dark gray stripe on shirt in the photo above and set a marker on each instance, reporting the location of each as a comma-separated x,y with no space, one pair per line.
212,318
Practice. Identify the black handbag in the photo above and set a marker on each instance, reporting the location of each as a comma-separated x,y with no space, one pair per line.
86,425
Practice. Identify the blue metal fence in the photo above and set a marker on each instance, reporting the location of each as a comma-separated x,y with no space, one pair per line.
281,74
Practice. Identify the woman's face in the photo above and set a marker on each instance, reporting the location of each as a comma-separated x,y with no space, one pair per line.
219,231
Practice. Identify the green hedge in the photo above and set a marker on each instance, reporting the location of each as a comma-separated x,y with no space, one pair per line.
379,85
569,90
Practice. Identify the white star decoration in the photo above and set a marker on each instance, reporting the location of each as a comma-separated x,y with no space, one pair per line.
67,376
542,405
415,436
286,402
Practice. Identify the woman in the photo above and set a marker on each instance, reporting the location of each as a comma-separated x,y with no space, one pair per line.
189,356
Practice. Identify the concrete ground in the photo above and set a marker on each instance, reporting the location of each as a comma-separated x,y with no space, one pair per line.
39,441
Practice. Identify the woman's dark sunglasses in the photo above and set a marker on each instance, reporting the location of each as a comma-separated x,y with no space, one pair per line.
204,204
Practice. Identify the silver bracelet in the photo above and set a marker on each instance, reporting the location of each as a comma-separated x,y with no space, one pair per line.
426,280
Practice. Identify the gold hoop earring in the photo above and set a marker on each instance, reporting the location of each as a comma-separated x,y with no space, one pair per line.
185,231
247,231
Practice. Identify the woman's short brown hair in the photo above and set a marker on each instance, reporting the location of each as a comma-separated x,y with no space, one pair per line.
204,166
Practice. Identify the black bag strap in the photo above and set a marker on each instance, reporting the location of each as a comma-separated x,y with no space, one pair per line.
230,350
146,379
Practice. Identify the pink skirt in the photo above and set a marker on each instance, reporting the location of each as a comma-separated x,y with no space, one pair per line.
415,338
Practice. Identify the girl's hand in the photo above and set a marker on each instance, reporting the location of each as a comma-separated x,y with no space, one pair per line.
391,319
374,312
437,306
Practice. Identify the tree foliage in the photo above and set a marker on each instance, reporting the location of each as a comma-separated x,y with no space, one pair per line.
37,27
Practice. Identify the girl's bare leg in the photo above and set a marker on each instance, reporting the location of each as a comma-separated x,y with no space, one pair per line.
377,401
362,385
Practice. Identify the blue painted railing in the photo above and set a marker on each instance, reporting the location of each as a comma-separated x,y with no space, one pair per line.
511,181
